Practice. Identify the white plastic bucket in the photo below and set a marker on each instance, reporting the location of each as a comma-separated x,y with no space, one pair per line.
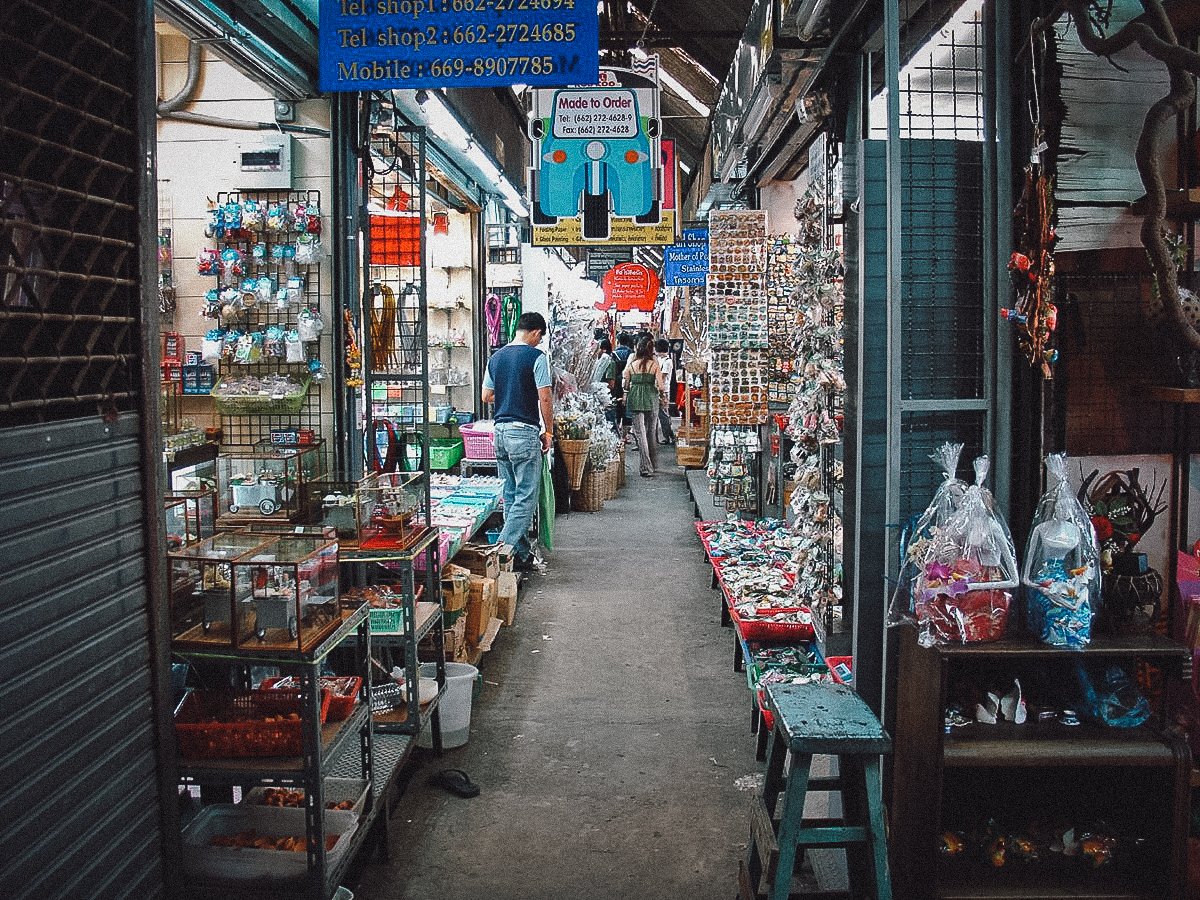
455,708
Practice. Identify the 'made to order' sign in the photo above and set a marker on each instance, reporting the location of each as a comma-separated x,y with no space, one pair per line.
380,44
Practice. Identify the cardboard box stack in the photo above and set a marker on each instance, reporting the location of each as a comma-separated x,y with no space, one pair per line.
481,607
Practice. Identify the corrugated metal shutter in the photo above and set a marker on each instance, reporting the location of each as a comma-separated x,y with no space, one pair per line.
79,808
81,811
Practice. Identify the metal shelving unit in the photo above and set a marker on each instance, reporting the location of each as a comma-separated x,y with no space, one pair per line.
345,748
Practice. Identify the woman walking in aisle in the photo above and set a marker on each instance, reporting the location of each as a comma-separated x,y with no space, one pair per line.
643,391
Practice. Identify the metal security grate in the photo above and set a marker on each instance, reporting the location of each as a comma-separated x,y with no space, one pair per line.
69,307
943,389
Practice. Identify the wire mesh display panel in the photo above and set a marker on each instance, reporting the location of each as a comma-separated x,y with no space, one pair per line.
941,79
944,330
920,435
274,243
394,311
69,311
942,352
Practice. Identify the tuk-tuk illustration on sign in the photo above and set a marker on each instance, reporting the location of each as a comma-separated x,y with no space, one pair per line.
597,155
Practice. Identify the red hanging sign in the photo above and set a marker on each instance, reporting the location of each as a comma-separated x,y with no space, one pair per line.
630,286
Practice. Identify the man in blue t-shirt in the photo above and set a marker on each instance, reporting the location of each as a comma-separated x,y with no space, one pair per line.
518,382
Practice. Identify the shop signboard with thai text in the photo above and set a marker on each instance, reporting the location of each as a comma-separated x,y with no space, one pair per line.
686,264
630,286
601,173
368,45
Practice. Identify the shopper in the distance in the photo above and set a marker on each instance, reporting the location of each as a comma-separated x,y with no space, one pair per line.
620,361
644,390
518,381
600,368
662,352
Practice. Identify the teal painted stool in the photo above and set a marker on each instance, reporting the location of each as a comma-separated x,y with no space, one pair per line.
826,719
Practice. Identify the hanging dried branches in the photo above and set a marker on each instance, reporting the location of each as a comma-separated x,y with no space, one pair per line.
1154,34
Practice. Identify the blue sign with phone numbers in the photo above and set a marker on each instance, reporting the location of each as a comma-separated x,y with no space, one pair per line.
381,44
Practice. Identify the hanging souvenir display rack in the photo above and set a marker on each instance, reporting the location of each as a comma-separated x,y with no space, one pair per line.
815,415
266,310
395,351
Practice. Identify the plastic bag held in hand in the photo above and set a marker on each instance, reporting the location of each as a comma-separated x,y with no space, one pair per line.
1062,564
964,590
917,540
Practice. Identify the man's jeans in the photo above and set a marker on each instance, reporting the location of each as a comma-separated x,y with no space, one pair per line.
519,459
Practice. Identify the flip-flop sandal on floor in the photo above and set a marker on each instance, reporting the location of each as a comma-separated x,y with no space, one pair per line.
456,781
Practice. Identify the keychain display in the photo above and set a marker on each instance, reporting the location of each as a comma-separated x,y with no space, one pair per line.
309,324
963,591
1061,575
733,467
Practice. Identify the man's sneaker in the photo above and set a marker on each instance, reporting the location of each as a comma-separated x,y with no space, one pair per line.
531,563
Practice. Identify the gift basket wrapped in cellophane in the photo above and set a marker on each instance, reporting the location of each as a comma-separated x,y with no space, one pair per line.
1061,575
919,535
963,591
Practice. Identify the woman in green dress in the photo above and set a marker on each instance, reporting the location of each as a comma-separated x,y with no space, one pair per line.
644,389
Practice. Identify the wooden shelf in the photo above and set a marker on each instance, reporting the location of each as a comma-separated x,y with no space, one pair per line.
1181,204
1137,776
1043,882
1053,744
1174,394
1141,645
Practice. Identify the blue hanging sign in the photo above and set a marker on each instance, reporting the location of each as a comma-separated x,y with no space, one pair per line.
686,264
380,44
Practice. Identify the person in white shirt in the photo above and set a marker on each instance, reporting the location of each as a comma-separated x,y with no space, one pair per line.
662,351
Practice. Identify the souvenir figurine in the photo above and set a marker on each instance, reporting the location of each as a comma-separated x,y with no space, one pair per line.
1062,564
252,214
207,262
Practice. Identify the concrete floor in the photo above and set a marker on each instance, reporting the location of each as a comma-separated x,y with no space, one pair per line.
611,742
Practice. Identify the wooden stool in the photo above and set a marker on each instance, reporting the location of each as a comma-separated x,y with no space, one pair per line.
827,719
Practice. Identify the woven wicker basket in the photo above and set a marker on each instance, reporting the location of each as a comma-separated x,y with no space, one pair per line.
574,453
590,496
610,479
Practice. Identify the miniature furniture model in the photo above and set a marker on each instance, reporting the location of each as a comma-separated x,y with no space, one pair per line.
824,719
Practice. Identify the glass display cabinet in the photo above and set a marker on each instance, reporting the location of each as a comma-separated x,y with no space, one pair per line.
342,504
201,589
191,468
199,515
180,529
397,510
265,482
286,594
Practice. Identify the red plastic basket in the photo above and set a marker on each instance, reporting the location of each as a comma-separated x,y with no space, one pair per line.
342,689
841,668
222,724
395,239
760,630
477,442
